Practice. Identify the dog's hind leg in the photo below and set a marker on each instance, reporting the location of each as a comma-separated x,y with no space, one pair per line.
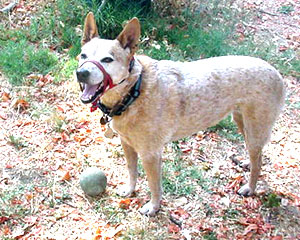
238,118
258,120
131,158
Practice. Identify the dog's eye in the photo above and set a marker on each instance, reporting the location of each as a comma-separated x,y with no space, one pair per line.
107,60
83,56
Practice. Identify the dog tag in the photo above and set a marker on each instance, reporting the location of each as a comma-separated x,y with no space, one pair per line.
104,120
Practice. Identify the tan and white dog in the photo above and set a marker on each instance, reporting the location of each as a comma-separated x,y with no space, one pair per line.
175,100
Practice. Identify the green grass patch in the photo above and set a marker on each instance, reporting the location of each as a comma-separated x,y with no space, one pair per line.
59,123
210,236
231,214
296,105
181,180
12,201
17,142
286,9
114,214
19,59
272,200
68,67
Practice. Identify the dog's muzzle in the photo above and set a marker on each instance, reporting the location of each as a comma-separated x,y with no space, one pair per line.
82,75
92,92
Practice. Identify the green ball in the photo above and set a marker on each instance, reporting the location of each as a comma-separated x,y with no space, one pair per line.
93,181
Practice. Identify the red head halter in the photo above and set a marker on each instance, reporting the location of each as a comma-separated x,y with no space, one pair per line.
107,81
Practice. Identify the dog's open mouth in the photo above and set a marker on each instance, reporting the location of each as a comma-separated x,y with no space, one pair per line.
90,92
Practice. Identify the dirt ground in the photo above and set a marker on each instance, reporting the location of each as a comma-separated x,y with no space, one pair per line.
47,138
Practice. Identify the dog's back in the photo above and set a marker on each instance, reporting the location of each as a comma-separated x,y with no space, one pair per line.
195,95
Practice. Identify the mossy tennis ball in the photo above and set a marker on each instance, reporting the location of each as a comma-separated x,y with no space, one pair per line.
93,181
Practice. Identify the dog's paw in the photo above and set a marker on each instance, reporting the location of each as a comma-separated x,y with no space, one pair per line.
246,191
125,191
149,209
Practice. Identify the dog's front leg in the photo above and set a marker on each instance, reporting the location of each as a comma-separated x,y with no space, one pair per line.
131,158
152,165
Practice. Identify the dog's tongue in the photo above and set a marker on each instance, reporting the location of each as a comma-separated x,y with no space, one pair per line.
88,92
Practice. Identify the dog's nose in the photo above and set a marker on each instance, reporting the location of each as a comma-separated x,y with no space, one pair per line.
82,75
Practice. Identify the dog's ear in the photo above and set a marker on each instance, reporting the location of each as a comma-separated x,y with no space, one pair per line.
90,28
130,35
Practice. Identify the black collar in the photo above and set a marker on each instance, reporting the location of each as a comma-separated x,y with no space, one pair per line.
118,109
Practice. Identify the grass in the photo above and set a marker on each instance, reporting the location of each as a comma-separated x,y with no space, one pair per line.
38,110
12,201
210,236
228,129
67,69
272,200
179,179
231,214
59,122
114,214
17,142
19,59
286,9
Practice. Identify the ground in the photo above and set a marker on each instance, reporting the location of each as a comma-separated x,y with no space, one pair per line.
48,137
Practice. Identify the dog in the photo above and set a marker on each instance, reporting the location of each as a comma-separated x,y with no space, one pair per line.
154,102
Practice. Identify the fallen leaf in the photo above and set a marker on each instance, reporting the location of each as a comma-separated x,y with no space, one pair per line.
277,238
30,219
125,203
34,76
3,219
16,201
181,213
79,138
251,228
60,109
66,176
9,166
172,228
137,202
6,230
88,130
43,80
283,48
21,104
251,203
114,232
64,136
99,139
235,183
5,97
98,234
28,196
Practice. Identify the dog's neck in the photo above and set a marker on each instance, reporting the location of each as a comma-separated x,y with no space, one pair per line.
116,94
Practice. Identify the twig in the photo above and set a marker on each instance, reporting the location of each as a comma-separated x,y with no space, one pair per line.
175,221
263,11
9,7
